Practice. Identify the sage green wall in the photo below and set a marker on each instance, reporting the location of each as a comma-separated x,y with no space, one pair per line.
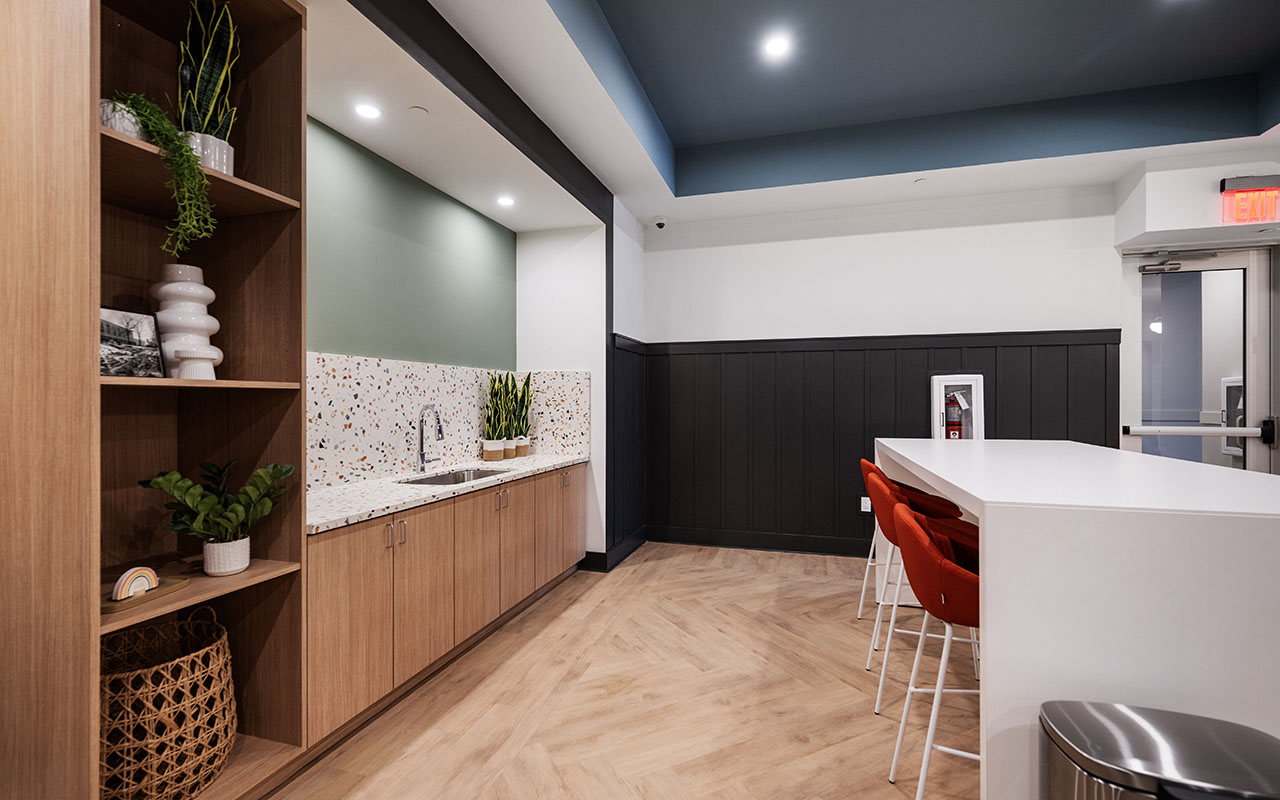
398,269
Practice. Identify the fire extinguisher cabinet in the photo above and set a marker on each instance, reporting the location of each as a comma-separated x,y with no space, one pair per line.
957,407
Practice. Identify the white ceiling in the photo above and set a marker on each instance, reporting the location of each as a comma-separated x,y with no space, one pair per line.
526,44
350,61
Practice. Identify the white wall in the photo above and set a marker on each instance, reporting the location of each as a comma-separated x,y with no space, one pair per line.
560,325
1031,275
628,273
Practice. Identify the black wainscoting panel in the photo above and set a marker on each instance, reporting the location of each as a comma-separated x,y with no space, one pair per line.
683,439
627,505
708,482
757,444
764,441
736,443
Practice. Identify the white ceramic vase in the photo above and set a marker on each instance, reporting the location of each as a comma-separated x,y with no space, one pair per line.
226,558
118,118
185,324
213,152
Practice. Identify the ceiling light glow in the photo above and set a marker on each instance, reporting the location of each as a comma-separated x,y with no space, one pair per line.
776,46
506,200
368,112
1157,325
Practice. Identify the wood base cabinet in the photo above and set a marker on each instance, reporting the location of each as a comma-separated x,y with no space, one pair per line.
477,553
561,521
519,546
350,612
379,610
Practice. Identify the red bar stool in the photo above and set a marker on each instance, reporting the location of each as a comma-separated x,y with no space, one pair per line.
949,593
884,499
925,503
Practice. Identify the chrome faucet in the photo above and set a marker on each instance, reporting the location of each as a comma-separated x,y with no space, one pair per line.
422,421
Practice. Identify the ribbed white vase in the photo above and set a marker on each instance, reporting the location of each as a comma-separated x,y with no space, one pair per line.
185,323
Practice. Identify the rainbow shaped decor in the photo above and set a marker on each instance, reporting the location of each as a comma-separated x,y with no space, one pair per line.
135,581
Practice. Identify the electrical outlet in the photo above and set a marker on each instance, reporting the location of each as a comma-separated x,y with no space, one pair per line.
866,505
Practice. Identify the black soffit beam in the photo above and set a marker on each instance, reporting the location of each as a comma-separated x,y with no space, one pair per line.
429,39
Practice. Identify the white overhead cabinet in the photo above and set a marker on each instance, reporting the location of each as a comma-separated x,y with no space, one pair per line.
957,407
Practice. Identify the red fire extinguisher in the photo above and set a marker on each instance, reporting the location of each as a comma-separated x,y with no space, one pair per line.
954,425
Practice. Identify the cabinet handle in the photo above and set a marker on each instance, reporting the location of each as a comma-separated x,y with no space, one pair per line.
391,535
404,531
497,496
506,498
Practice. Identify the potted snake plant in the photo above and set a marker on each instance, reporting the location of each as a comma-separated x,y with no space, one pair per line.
206,71
523,398
495,422
509,415
221,518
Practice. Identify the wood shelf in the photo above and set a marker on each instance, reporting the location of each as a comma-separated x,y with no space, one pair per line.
134,177
252,762
178,383
201,589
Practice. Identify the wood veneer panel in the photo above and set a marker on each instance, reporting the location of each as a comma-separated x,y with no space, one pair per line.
548,527
477,558
519,543
350,623
574,515
423,588
139,439
48,410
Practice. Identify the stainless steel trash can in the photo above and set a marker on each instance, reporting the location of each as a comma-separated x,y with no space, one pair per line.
1104,751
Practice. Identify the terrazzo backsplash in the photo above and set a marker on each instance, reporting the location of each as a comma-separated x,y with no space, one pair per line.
362,415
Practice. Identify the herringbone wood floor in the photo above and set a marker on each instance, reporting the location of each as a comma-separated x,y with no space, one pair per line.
688,672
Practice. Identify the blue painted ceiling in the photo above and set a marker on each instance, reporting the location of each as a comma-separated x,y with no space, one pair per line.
866,61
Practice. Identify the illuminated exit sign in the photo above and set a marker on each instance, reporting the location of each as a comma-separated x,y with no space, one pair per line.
1250,200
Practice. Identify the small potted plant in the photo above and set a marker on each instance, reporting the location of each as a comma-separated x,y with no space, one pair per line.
219,517
509,414
495,424
206,71
524,396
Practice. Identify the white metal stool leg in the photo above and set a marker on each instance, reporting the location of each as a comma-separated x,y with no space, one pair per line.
973,643
893,623
911,690
875,632
933,715
871,562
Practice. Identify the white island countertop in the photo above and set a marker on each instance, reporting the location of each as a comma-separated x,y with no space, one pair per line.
330,507
1069,474
1109,576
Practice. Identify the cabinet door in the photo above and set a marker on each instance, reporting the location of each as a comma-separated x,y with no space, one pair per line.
549,526
349,623
575,515
519,543
476,562
423,588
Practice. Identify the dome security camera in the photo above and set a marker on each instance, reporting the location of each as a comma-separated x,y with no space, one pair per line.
660,222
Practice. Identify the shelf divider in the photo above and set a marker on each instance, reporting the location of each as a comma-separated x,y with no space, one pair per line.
179,383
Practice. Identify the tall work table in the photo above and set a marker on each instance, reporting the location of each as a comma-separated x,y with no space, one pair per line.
1112,576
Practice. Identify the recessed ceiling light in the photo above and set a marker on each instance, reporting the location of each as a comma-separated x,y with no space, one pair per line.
776,46
368,112
506,200
1157,325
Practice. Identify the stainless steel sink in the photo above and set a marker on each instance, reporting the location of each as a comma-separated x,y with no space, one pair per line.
453,478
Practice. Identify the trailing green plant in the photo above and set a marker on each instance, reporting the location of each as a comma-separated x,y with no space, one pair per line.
206,70
523,399
495,416
209,510
187,181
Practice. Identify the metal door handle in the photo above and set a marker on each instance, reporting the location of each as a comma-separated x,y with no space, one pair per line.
506,498
391,535
404,531
497,496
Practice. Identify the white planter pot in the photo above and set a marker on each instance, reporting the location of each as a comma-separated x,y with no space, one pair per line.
213,152
522,446
493,449
185,324
226,558
118,118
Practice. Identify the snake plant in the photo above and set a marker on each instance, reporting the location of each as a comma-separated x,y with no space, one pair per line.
207,69
523,398
495,415
211,512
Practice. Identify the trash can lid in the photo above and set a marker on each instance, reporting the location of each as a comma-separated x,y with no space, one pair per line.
1141,748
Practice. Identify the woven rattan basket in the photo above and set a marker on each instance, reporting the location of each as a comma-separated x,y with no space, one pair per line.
168,710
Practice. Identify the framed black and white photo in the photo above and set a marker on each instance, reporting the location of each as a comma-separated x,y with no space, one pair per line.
129,344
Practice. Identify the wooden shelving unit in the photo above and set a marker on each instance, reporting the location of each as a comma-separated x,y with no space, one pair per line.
255,412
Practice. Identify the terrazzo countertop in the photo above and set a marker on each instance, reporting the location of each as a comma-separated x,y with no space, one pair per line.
336,506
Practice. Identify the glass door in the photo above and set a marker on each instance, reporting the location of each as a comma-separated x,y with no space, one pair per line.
1205,358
